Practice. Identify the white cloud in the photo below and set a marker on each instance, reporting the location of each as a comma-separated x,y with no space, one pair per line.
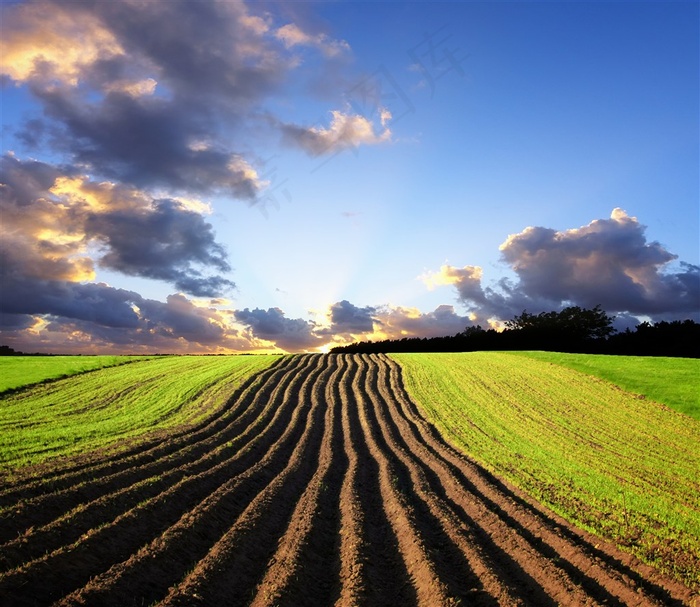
292,35
345,131
135,88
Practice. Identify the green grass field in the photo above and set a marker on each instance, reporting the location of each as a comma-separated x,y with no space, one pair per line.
18,371
672,381
96,409
612,461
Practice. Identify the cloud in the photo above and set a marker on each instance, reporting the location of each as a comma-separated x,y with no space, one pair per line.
291,334
146,106
59,316
94,302
347,318
62,316
608,262
144,109
180,318
217,50
53,47
484,302
345,131
347,323
151,94
292,35
398,322
466,279
162,241
60,226
148,142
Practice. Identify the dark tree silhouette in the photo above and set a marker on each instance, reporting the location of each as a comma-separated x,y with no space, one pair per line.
574,322
573,329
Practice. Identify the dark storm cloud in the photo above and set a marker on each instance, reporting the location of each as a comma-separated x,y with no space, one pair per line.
15,321
148,93
180,318
23,182
100,315
211,52
348,318
49,221
148,142
291,334
93,302
161,241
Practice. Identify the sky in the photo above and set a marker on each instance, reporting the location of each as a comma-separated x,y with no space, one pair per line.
206,176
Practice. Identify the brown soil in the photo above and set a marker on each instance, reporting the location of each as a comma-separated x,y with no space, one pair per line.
317,483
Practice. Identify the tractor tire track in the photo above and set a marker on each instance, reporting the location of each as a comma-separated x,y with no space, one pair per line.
317,483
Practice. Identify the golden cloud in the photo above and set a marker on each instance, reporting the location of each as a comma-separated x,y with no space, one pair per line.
450,275
61,46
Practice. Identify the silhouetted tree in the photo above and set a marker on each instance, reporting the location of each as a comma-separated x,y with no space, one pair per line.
573,329
573,322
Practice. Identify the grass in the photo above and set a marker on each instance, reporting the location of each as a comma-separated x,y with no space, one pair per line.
98,409
618,464
675,382
19,371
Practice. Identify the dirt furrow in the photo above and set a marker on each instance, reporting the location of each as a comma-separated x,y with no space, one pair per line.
400,505
465,563
370,552
60,474
513,558
353,568
42,509
236,564
304,569
593,567
165,561
318,483
436,487
234,447
71,566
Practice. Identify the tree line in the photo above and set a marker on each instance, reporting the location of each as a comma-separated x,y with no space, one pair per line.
574,329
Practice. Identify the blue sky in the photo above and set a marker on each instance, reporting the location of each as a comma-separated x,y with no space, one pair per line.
222,176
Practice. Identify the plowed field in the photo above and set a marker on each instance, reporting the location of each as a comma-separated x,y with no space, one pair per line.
320,484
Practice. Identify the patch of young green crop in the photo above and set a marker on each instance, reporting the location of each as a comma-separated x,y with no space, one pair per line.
97,409
614,462
19,371
675,382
